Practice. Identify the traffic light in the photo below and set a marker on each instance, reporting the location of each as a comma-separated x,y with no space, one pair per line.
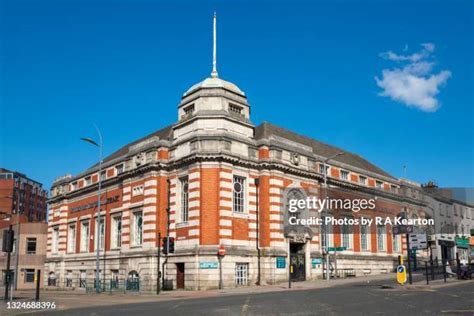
171,244
168,245
8,239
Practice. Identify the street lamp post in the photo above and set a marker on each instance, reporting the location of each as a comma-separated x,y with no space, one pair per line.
97,260
325,195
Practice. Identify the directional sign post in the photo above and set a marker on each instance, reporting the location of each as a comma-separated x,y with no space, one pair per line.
418,241
401,274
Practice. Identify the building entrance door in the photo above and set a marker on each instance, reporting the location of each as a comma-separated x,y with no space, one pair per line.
297,262
180,275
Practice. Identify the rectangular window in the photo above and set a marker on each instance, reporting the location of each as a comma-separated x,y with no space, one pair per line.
101,235
119,169
344,175
238,195
71,239
117,232
84,237
235,108
364,237
55,240
137,228
379,184
184,199
362,180
396,243
347,236
381,238
326,233
88,180
393,189
241,273
189,109
29,275
82,278
103,175
323,167
31,246
73,186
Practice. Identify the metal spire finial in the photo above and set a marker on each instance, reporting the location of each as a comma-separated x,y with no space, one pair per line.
214,53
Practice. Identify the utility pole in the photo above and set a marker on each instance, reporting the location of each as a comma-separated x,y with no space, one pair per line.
257,184
158,265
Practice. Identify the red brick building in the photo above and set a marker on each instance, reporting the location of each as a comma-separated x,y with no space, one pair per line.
20,193
209,161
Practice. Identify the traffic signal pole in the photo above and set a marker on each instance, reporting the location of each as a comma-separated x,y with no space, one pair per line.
7,274
410,280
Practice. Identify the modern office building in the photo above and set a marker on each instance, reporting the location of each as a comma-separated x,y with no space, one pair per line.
18,193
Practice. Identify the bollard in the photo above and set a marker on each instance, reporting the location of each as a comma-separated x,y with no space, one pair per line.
444,271
38,283
426,272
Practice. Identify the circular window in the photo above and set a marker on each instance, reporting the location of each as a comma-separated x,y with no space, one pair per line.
238,187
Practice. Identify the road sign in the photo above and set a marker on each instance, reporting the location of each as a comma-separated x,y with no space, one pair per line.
337,248
281,263
221,250
402,229
401,274
418,241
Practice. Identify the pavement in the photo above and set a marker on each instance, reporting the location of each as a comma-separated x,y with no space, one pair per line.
304,298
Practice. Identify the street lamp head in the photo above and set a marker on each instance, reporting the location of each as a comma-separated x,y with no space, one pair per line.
90,141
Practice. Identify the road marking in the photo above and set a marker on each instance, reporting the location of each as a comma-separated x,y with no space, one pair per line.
458,311
245,307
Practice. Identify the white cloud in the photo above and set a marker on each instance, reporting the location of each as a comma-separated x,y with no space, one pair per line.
413,83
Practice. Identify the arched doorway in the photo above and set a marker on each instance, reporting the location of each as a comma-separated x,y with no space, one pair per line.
133,281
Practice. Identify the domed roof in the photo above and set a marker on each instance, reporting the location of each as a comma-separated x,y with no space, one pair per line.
214,82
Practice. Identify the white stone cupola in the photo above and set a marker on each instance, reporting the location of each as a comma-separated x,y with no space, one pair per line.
213,107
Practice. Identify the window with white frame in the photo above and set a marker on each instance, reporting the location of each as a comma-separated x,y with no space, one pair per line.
344,175
101,235
396,241
364,237
117,231
379,184
241,273
137,228
71,238
55,245
184,185
137,190
347,236
88,180
73,186
238,201
119,169
84,237
322,168
326,233
381,236
363,180
103,175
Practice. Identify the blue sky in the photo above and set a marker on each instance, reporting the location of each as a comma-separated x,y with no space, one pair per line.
307,66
